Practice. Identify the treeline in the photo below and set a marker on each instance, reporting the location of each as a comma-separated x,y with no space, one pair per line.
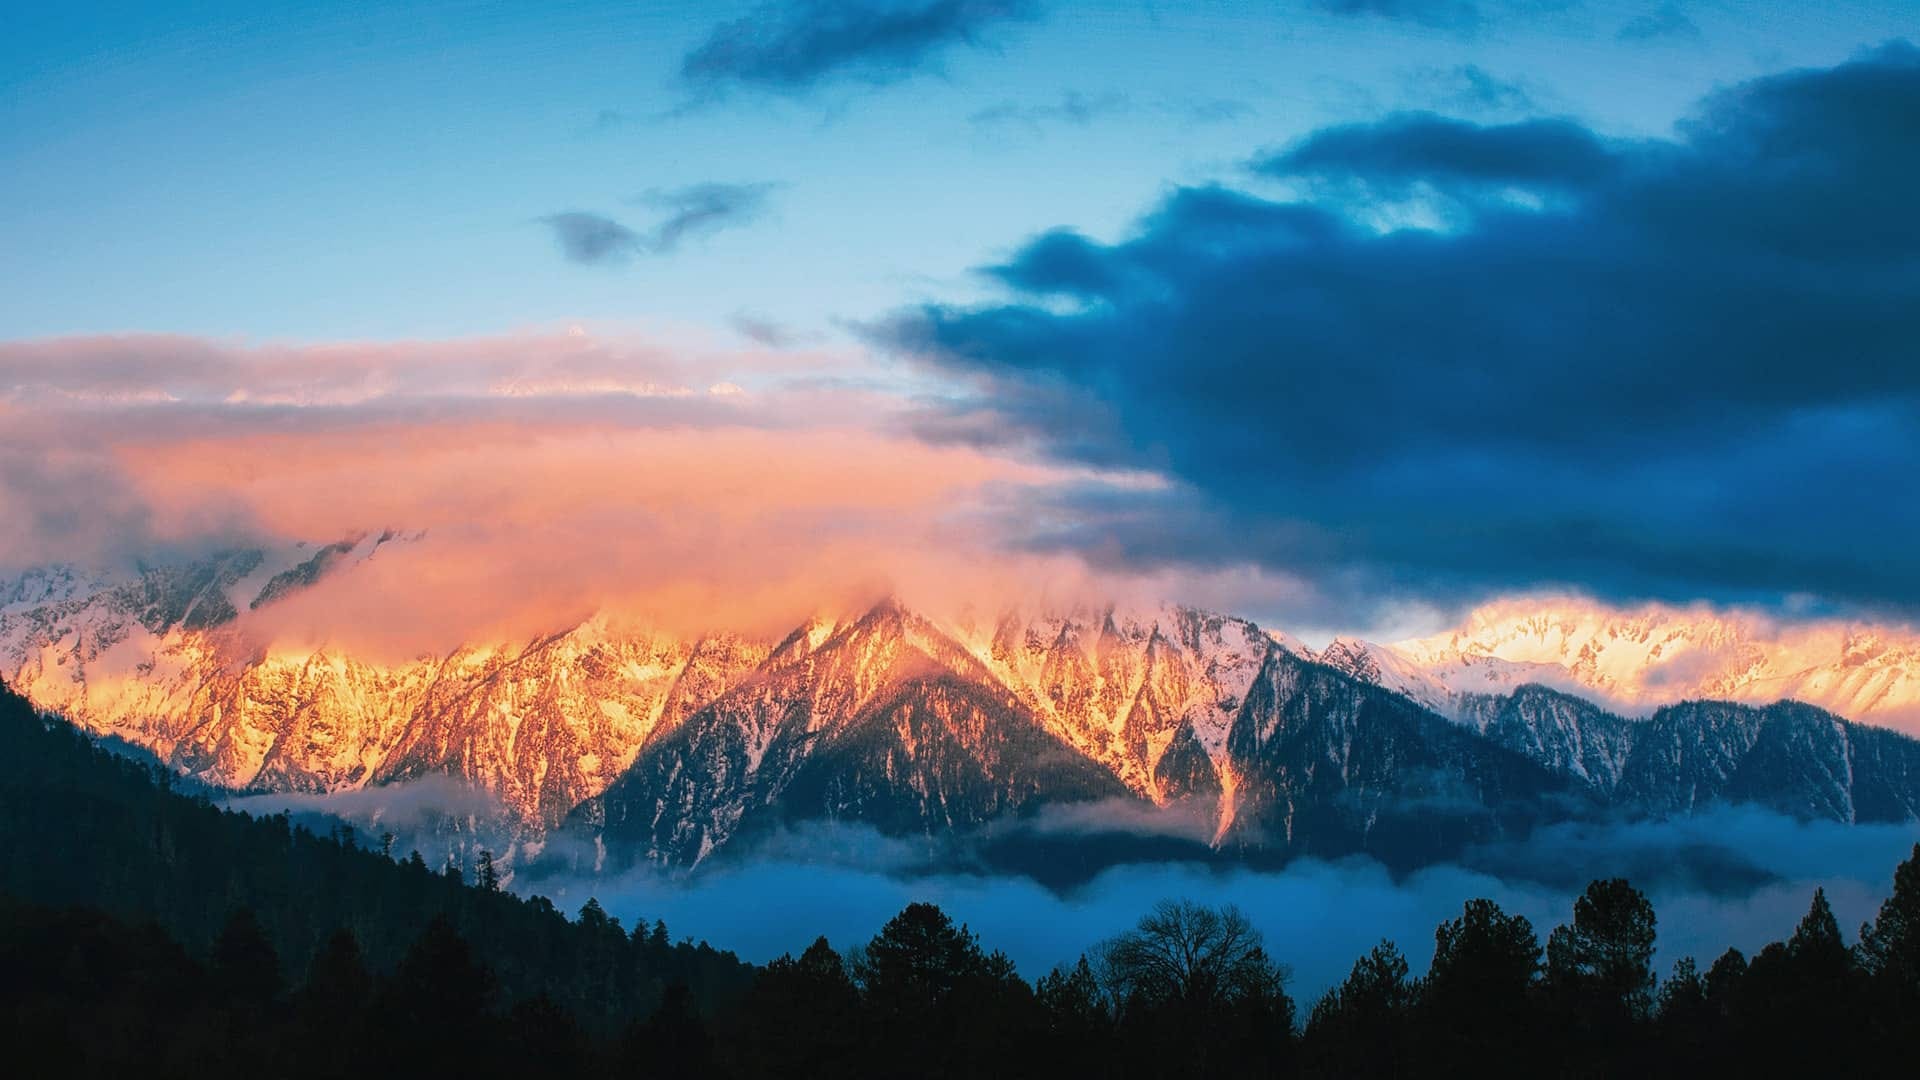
82,826
1189,992
1590,1005
326,960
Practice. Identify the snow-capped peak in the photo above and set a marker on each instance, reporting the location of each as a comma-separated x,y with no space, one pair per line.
1637,659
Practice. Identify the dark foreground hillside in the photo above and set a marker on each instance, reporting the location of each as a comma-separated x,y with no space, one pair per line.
145,933
81,826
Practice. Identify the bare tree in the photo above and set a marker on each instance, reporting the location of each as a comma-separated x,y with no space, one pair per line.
1190,954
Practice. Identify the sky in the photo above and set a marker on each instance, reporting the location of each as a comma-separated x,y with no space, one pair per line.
1338,313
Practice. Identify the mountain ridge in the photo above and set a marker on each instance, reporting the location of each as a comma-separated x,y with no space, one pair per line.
655,747
1636,659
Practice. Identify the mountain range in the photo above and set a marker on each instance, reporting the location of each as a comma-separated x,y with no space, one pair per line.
1058,735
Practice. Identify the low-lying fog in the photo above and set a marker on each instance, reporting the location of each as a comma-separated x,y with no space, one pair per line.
1737,877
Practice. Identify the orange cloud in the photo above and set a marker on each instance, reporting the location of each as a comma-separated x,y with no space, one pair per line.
160,368
550,477
530,528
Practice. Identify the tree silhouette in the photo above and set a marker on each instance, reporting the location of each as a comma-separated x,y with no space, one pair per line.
1804,984
1687,1026
337,981
245,969
1600,977
439,987
1726,984
919,959
333,1008
1889,955
1182,952
1816,944
1201,972
1079,1014
801,1016
937,998
543,1039
1361,1025
1890,944
672,1041
1477,998
1606,956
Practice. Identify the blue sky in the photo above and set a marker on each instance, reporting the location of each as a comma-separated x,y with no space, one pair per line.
326,171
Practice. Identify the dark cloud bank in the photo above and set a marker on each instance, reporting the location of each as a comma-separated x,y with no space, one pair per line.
1677,368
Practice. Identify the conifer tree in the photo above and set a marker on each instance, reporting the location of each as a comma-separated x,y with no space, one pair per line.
338,984
1889,955
439,986
672,1041
1890,944
1476,1004
1362,1024
801,1016
333,1006
245,969
1606,955
543,1039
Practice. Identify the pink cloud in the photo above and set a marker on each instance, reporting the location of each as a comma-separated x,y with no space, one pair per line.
552,477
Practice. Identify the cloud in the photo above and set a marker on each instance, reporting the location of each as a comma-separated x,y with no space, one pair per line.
593,238
1318,917
1193,821
702,209
1465,359
159,375
1424,148
682,485
1074,108
686,213
1457,15
408,807
63,504
761,330
1469,88
1078,109
1727,877
1665,23
793,46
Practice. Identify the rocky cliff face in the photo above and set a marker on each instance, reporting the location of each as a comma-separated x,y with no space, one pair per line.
1566,734
1788,757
